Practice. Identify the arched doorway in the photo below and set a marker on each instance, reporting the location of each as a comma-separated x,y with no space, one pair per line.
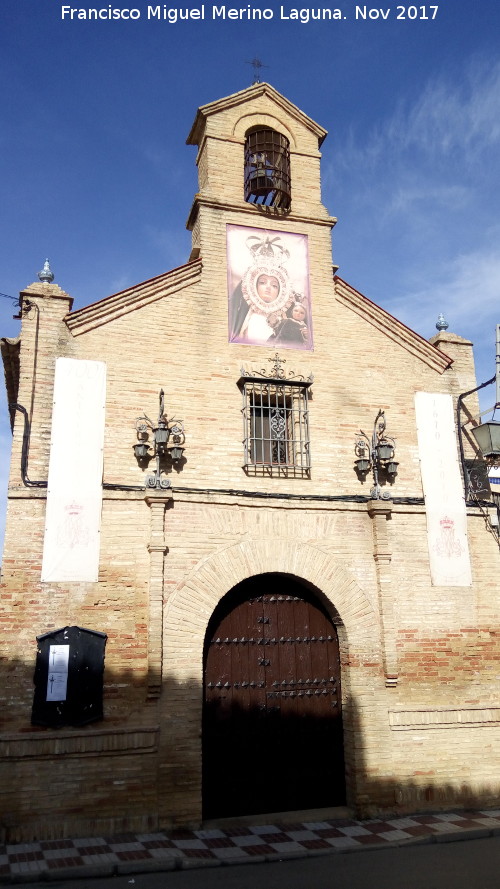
272,720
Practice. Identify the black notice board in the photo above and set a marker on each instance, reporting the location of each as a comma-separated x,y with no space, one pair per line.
69,677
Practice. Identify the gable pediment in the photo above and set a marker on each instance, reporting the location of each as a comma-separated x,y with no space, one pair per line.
393,329
134,298
246,97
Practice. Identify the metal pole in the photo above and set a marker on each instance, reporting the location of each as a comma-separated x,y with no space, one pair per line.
376,493
497,367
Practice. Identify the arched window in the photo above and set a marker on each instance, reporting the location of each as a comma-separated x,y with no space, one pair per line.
267,169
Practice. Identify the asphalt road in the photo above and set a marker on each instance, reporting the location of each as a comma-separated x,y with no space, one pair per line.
473,864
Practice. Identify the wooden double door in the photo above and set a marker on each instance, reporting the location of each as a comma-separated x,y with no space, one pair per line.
272,721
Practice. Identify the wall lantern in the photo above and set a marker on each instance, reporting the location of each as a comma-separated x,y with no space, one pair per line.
487,434
376,454
476,472
141,450
167,443
487,437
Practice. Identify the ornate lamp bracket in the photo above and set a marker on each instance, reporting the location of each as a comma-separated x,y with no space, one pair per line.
166,444
376,454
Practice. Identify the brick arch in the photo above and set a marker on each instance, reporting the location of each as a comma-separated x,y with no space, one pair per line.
253,119
190,607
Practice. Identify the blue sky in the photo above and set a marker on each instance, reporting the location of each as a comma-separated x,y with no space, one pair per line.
96,174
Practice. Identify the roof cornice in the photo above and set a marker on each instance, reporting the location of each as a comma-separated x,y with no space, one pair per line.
247,95
10,348
391,327
136,297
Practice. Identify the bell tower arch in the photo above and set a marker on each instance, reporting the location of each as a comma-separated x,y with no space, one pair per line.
258,164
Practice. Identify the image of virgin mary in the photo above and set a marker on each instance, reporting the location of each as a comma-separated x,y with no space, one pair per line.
263,306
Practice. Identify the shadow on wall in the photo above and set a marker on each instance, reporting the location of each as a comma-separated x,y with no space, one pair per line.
376,794
123,694
124,774
93,779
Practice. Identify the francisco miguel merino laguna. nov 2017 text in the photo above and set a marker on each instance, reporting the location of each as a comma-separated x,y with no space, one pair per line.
177,14
173,14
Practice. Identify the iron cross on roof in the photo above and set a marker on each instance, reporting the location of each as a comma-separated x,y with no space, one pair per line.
256,65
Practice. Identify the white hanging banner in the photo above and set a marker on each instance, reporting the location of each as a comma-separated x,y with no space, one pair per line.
443,490
74,493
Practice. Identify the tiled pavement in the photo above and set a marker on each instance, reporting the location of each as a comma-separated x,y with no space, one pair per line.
135,853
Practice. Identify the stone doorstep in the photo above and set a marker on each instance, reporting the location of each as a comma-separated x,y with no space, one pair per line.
330,814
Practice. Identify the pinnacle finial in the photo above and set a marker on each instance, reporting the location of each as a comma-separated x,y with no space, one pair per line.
46,275
441,323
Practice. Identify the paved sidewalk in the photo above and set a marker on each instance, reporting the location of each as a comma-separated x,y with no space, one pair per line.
162,851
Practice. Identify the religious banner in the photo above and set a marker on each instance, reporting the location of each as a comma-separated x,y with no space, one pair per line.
443,490
74,492
268,288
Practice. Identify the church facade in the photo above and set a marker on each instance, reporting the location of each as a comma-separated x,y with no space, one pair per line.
232,600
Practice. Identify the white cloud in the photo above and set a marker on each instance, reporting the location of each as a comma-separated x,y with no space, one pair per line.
452,116
174,246
116,285
418,195
448,118
407,197
466,291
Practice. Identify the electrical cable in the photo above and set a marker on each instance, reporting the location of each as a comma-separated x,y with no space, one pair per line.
111,486
328,498
25,449
460,437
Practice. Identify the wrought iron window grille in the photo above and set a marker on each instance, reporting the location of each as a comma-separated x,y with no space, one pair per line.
267,169
275,410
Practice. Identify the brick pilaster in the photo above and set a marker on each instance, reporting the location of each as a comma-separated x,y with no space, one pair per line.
380,512
157,549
